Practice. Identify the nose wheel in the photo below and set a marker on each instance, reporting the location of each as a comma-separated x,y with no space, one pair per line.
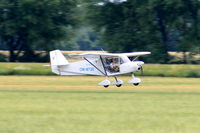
135,81
136,84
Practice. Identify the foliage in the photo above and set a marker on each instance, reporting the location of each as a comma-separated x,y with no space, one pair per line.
87,40
27,25
152,25
2,58
158,26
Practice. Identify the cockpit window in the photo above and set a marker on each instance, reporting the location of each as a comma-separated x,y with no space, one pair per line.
112,64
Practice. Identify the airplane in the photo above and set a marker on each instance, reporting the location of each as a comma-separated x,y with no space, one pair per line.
101,64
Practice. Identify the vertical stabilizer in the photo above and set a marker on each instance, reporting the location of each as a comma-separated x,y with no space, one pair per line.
57,58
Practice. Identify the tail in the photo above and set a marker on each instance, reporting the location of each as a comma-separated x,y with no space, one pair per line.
57,59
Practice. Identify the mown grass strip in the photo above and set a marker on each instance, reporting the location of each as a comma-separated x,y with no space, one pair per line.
53,104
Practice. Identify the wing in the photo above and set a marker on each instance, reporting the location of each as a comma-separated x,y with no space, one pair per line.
136,53
97,55
93,55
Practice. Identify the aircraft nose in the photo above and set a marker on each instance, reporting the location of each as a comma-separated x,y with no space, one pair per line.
139,64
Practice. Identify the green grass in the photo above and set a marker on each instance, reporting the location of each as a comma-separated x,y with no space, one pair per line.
24,69
149,70
42,104
182,70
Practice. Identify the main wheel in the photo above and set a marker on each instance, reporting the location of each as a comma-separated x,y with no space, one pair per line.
106,86
119,85
136,84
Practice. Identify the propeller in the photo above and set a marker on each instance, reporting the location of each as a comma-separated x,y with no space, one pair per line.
139,66
141,70
140,63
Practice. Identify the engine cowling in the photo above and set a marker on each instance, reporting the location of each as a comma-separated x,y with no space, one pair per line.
131,67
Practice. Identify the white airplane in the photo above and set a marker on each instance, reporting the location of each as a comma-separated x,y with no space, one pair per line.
103,64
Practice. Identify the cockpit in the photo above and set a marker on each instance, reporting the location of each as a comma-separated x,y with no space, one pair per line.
112,64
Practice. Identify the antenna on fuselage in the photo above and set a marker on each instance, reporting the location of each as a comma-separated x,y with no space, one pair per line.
102,50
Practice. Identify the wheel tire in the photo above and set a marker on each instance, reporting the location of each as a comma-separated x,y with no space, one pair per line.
106,86
119,85
136,84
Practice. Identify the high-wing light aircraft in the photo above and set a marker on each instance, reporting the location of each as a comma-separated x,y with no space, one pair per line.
104,64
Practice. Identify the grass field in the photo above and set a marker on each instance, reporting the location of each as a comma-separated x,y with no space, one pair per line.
161,70
53,104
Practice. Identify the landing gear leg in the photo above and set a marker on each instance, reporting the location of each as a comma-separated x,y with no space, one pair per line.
135,81
117,82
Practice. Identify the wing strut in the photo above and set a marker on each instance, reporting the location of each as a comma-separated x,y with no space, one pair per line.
135,58
103,66
105,74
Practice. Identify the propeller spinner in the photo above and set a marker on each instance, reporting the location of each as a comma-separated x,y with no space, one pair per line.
140,68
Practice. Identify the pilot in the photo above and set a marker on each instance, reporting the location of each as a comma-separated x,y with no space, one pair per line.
114,65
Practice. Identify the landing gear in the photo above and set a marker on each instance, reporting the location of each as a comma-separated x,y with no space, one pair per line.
135,81
136,84
106,86
119,85
106,83
117,82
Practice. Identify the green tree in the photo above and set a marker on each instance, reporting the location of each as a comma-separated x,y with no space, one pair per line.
188,27
147,25
131,26
27,25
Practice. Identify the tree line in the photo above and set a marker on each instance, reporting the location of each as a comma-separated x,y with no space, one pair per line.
158,26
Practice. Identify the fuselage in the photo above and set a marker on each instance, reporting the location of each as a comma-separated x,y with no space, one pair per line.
101,66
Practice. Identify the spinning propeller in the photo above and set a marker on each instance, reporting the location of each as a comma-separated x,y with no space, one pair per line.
141,70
